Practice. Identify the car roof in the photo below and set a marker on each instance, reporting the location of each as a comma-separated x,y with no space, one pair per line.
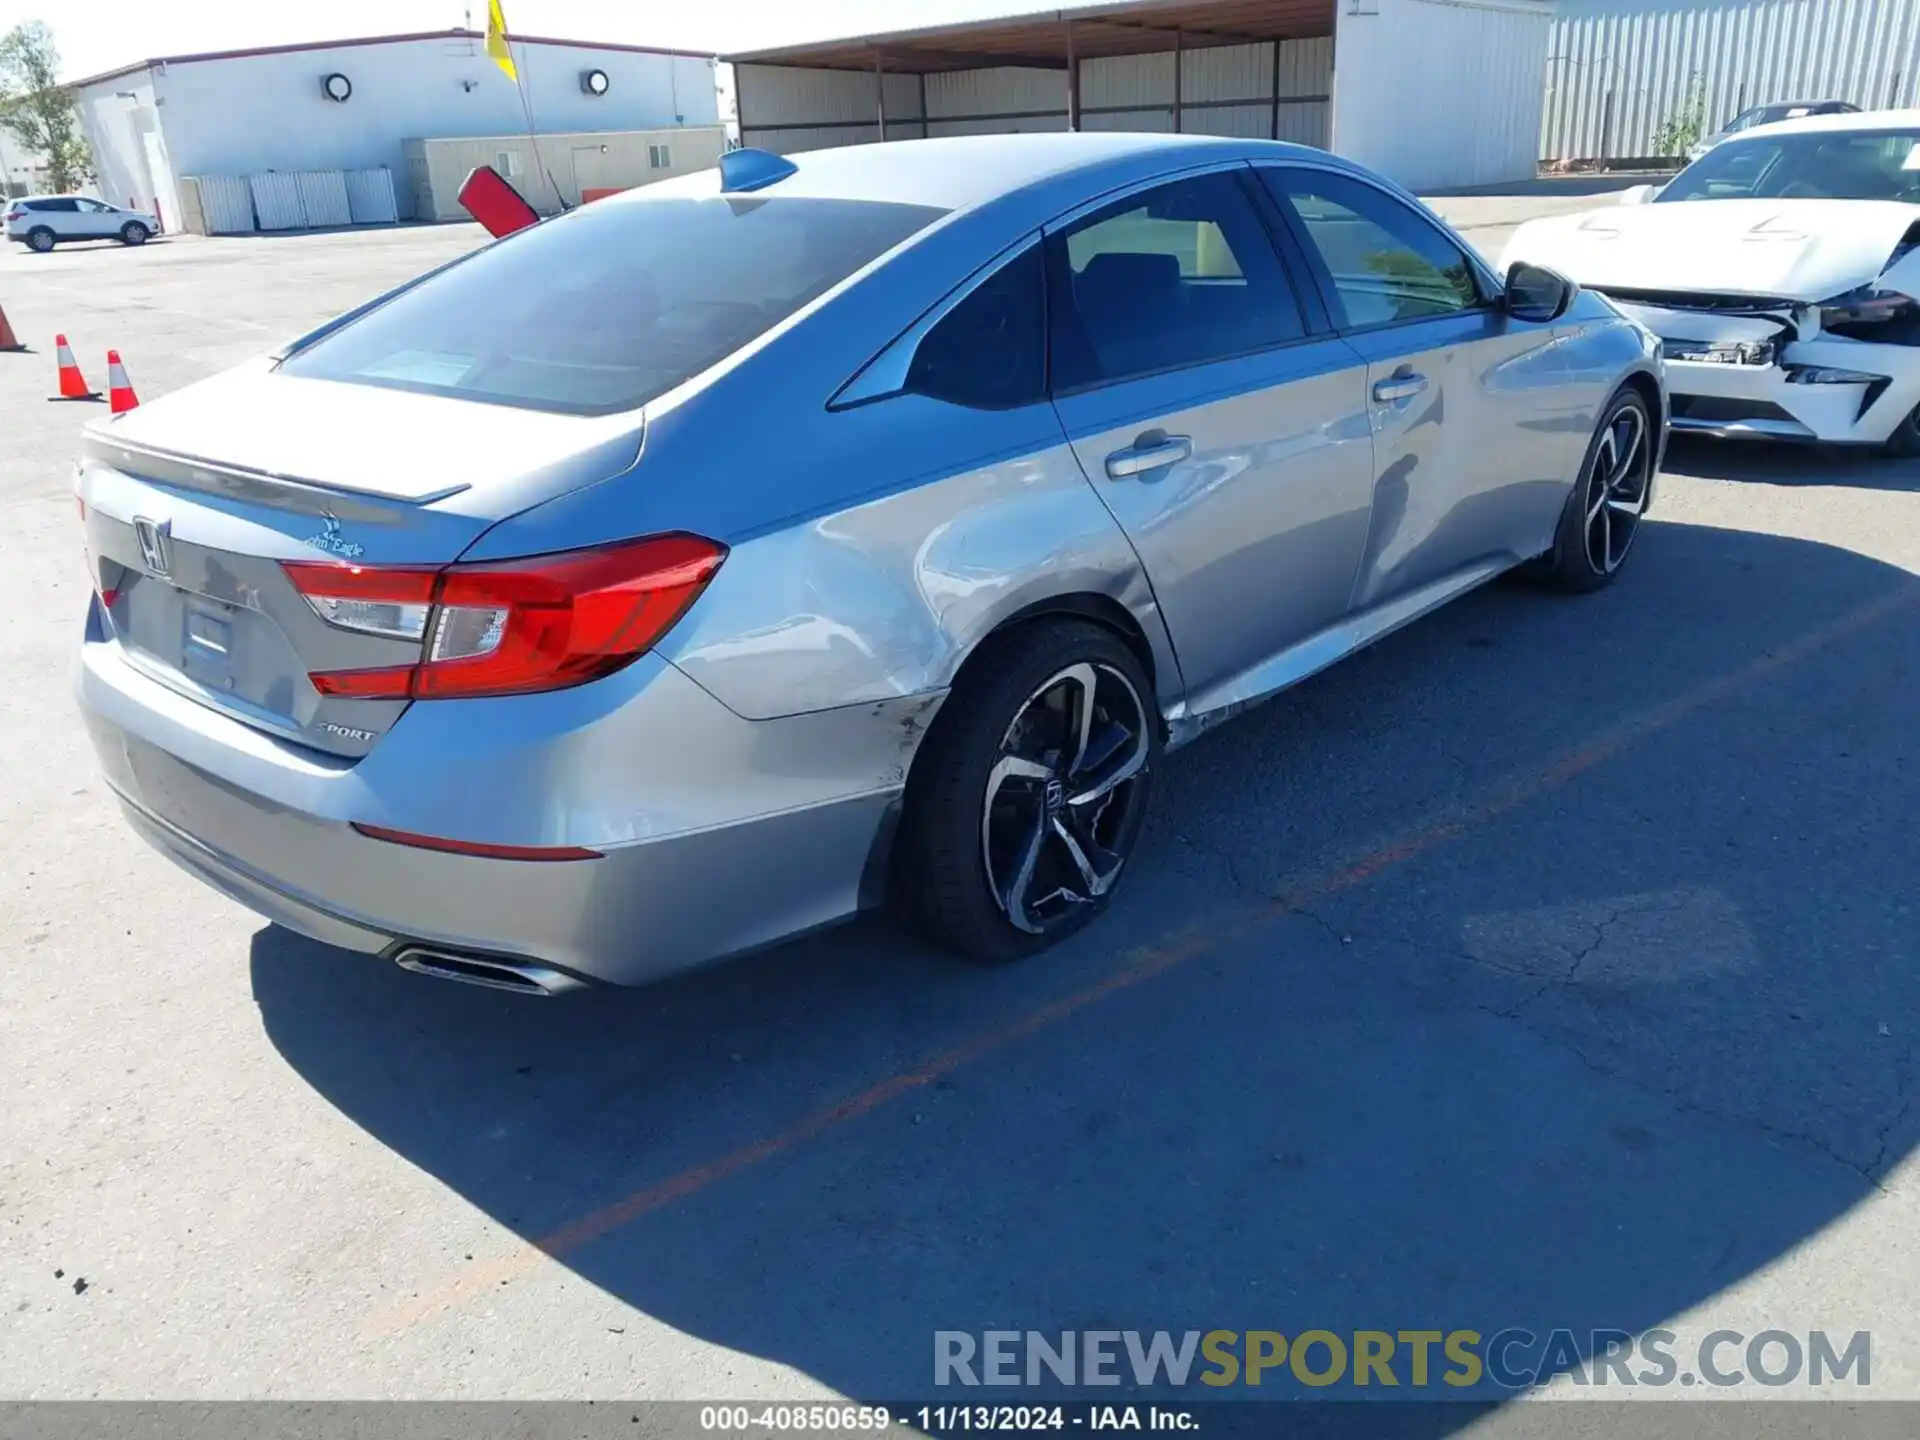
962,171
1846,120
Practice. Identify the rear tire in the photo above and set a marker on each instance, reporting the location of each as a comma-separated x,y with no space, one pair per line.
1026,799
40,238
1603,513
133,233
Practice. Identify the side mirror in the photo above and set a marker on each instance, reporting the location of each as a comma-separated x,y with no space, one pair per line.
1538,294
1639,194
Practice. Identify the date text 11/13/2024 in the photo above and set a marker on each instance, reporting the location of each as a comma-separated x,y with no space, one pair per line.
945,1419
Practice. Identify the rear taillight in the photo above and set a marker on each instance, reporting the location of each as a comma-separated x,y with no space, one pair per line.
16,215
513,626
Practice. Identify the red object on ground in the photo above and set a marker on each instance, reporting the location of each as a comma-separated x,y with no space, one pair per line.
120,396
495,203
8,340
587,197
73,385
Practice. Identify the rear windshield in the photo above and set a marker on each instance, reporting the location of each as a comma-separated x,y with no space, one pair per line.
606,308
1807,165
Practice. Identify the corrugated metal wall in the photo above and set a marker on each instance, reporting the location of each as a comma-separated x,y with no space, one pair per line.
1618,70
818,109
323,198
1225,90
276,200
226,201
370,197
1441,94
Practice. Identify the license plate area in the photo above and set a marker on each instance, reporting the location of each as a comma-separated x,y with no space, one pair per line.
225,652
207,642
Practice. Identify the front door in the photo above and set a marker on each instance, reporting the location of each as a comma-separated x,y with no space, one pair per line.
97,221
591,171
1230,443
1475,442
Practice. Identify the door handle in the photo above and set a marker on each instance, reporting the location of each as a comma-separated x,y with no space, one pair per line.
1150,451
1399,387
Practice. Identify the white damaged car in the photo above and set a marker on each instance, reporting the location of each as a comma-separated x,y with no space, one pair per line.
1781,271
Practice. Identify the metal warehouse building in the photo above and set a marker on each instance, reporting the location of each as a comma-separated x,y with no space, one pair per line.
1618,71
1432,92
331,121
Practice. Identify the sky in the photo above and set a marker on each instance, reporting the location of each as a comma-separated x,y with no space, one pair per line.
97,35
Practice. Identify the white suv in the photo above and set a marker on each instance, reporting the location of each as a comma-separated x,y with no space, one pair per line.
43,221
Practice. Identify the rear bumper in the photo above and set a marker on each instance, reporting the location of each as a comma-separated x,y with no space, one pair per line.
716,834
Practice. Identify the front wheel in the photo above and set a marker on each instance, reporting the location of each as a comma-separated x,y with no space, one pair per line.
1026,800
1603,514
133,233
1905,440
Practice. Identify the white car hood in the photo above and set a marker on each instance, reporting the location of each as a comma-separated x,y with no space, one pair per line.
1805,250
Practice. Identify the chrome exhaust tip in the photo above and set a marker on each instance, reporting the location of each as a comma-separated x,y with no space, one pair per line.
521,977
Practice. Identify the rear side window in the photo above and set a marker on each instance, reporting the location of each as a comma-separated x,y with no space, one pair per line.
990,351
55,207
1176,276
612,305
1387,262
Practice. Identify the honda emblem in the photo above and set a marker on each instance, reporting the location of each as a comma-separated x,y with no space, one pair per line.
156,549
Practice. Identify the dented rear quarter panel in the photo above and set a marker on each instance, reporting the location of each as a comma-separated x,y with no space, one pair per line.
889,597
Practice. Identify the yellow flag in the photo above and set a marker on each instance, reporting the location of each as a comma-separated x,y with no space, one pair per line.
497,40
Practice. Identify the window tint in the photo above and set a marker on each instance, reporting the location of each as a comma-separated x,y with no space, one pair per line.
1388,263
1816,165
1177,276
612,305
990,350
57,207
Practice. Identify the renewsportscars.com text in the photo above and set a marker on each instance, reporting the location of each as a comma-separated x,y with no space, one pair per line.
1513,1359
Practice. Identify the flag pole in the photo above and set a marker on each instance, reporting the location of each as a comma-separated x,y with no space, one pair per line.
500,48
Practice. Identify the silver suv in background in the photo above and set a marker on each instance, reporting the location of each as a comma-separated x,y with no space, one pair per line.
1770,115
42,221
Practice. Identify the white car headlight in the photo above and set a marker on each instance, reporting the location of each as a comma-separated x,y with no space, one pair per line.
1867,308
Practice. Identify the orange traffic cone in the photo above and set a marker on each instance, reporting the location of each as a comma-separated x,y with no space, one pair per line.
120,394
73,385
8,340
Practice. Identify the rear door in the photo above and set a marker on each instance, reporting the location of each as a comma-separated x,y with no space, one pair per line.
1226,432
1476,434
60,216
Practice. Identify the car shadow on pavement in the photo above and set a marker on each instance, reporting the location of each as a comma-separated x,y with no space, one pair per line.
1757,462
1590,992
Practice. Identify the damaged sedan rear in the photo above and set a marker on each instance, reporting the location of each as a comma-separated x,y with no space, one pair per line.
1781,272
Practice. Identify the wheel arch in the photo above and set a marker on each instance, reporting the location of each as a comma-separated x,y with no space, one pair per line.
1650,390
1162,670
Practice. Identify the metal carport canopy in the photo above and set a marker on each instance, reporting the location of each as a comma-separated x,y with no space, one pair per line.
1064,41
1054,39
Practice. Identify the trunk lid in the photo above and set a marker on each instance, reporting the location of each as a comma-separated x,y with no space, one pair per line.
192,503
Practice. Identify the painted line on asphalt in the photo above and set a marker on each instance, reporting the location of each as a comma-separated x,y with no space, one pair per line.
1145,964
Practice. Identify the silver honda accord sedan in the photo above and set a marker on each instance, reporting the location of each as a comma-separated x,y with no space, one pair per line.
710,563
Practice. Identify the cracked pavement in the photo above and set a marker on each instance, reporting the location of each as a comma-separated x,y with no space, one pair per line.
1617,1043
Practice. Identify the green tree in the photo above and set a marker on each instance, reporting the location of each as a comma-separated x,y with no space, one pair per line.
35,109
1682,130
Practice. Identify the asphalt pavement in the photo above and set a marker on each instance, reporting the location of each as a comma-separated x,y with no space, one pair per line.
1551,964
